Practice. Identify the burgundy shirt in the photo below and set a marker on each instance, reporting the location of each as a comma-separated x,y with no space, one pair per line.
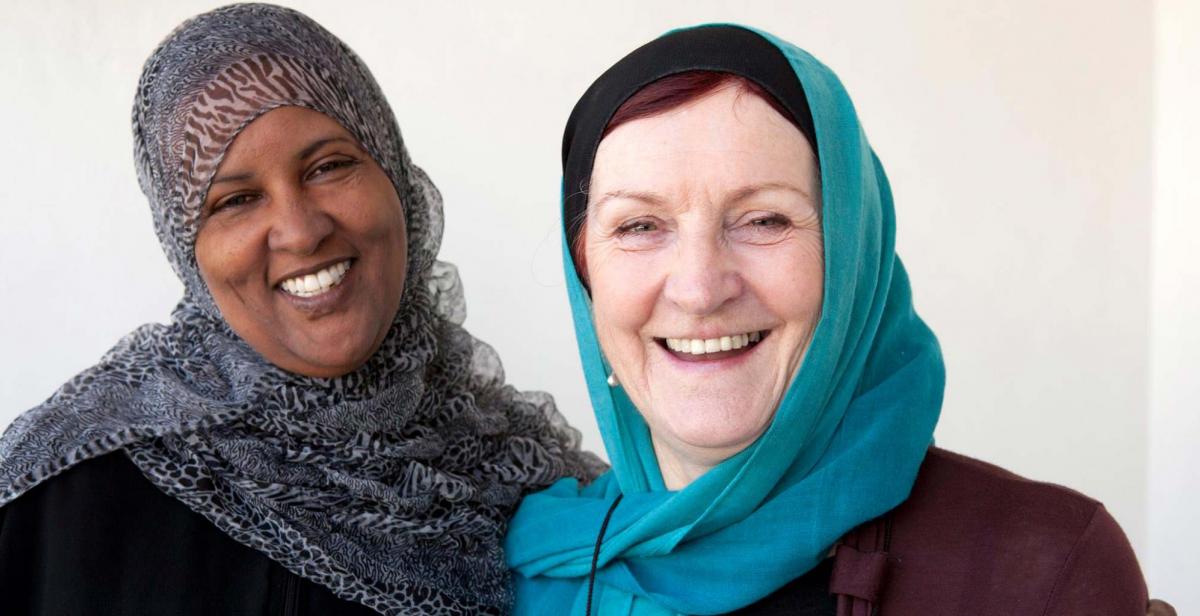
976,539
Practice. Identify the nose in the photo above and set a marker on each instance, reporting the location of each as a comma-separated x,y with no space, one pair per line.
298,226
703,277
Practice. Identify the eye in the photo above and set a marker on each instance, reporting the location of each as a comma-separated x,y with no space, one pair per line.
329,166
233,201
773,220
640,234
637,226
761,228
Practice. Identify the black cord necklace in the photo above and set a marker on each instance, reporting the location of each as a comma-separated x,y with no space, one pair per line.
596,553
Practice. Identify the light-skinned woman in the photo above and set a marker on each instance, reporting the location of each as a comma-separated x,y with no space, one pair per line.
766,392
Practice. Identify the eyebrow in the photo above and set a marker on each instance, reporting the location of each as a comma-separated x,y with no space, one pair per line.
746,192
305,153
651,198
740,194
232,178
316,145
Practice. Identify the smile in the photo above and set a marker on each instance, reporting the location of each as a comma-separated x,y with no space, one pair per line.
316,283
713,346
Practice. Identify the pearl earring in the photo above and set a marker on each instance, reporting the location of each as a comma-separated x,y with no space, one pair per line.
612,380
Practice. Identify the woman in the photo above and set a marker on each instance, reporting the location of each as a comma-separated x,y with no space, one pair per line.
766,393
314,433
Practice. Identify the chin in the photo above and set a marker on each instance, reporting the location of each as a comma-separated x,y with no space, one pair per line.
703,425
334,358
721,444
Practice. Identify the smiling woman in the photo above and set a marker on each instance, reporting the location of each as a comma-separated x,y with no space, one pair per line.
766,390
302,243
691,304
314,432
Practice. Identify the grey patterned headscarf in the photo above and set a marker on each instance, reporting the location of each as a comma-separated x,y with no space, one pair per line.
391,485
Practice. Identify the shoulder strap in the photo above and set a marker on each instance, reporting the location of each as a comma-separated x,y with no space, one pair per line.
860,568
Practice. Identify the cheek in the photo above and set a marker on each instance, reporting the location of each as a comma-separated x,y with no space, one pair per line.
799,298
374,217
388,237
396,267
792,280
624,294
228,255
383,230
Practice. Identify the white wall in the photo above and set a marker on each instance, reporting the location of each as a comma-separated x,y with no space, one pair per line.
1018,136
1174,487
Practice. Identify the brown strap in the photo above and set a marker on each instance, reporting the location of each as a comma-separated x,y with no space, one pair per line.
860,568
858,574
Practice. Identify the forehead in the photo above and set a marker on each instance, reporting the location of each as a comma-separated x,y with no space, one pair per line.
730,136
281,132
205,120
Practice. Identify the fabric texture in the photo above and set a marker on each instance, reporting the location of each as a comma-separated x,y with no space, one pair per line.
390,485
846,441
976,539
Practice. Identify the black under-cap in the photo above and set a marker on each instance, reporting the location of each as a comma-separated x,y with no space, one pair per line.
719,48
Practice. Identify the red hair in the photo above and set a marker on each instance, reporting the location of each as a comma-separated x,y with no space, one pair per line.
681,88
664,95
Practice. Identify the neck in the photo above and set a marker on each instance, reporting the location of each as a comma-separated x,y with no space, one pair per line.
678,468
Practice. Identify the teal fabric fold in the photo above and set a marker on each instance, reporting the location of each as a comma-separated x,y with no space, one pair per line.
844,446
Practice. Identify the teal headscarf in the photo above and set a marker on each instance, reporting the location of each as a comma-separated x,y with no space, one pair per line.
845,443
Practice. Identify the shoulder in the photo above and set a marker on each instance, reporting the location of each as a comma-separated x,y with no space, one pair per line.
974,533
75,526
97,483
969,491
102,534
96,497
109,477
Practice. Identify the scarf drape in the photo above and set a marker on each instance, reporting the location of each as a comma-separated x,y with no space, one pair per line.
847,438
390,485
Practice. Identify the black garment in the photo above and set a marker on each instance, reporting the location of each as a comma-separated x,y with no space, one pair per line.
100,539
807,595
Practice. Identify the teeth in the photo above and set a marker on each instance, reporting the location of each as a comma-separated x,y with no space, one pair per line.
698,346
315,284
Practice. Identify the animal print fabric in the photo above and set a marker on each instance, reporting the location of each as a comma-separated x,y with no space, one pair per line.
391,485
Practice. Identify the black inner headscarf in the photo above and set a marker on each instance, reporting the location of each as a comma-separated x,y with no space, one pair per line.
722,49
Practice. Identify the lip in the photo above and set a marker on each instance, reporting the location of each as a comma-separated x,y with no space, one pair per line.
708,364
327,302
311,270
707,333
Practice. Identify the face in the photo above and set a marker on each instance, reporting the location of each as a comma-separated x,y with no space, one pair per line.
302,243
705,263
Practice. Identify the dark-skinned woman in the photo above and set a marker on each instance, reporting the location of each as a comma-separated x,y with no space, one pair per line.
313,432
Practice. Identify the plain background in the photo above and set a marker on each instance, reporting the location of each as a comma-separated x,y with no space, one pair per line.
1042,156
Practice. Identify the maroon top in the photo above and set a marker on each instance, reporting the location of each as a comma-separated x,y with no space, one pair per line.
976,539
